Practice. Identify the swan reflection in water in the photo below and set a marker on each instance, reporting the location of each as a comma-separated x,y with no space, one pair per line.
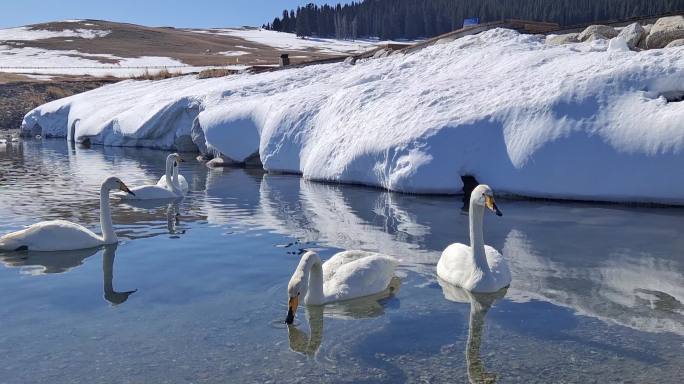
39,263
367,307
173,219
110,294
480,303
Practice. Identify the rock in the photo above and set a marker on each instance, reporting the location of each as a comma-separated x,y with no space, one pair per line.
632,34
254,161
351,60
603,30
221,161
665,31
675,43
562,39
596,36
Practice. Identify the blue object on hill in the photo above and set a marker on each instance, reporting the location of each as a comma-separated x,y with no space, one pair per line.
471,21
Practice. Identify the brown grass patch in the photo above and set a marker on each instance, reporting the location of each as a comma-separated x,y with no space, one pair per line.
54,93
216,72
161,75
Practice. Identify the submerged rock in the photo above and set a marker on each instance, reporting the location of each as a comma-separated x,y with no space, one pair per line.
665,31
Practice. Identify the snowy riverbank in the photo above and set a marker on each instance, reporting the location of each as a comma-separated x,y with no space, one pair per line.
580,121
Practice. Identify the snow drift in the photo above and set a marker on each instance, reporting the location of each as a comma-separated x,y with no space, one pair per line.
583,121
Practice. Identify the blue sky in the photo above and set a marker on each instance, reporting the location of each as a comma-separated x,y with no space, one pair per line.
187,13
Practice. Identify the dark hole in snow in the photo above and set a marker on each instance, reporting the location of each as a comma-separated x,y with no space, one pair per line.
673,96
469,183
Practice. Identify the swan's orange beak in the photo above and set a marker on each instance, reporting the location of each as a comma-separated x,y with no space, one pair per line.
291,309
124,188
491,204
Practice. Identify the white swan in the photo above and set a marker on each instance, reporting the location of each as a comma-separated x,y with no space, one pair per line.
62,235
179,180
156,192
347,275
478,267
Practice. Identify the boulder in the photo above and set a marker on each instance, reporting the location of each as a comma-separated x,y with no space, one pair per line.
603,30
632,34
675,43
665,31
562,39
596,36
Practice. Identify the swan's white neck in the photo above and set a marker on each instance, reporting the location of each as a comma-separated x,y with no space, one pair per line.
171,175
476,217
175,176
108,234
311,269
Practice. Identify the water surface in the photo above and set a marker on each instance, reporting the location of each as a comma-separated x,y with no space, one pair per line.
195,292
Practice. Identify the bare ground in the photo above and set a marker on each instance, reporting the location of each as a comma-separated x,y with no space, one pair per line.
19,97
192,48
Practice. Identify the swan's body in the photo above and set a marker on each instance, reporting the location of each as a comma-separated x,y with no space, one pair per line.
347,275
157,192
477,267
62,235
177,179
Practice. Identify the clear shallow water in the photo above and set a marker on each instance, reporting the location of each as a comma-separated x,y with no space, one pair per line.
597,292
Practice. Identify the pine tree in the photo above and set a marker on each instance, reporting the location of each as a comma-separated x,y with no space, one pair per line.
426,18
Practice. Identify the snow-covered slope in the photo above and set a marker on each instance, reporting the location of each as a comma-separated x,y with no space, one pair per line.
290,41
580,121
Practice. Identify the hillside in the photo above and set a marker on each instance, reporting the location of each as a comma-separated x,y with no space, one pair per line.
43,62
104,48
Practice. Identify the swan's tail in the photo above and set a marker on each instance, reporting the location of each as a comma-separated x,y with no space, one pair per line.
10,242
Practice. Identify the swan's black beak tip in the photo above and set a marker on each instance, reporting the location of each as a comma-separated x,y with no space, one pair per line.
289,319
124,188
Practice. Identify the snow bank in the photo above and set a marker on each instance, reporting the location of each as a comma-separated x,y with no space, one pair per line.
573,121
27,34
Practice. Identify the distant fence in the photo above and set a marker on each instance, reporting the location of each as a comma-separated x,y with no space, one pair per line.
101,67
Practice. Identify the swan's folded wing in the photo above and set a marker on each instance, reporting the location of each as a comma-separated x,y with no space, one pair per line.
455,266
332,265
55,235
362,277
497,264
148,192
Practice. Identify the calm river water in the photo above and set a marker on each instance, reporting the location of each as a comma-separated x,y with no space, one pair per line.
195,292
